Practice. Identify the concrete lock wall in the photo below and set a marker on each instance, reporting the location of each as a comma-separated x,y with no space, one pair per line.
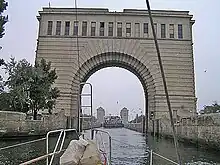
134,126
16,124
204,129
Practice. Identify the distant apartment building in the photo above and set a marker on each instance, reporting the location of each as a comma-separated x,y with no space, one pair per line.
100,115
124,115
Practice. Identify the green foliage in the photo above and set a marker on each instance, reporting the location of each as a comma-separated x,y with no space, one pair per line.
31,87
2,62
5,99
42,94
214,108
3,19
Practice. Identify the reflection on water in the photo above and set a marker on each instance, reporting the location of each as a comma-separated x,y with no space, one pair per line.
133,150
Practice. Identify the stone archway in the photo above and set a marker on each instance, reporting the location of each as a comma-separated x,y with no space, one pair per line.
111,59
135,52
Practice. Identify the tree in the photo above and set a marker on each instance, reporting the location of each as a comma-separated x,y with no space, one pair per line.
31,87
5,99
42,94
3,19
214,108
18,82
2,62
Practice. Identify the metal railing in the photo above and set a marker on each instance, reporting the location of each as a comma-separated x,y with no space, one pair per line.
62,132
60,141
110,143
162,157
20,144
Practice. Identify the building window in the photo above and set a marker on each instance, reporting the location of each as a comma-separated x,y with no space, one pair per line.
67,28
145,28
84,28
102,29
93,28
58,28
137,30
128,29
50,28
110,29
171,30
163,31
119,29
155,28
75,28
180,31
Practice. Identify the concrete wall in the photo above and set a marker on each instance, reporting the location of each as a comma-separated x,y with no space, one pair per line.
134,126
203,130
15,124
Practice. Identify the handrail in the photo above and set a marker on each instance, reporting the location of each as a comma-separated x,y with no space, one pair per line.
46,156
55,148
62,132
20,144
169,160
110,143
41,158
151,157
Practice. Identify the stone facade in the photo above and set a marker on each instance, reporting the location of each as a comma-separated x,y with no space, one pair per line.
122,39
100,115
204,129
16,124
124,115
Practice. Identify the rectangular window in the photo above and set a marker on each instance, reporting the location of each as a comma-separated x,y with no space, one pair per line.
102,29
50,28
180,31
163,31
84,28
128,29
146,28
119,29
58,28
171,30
155,28
137,30
67,28
75,28
93,28
110,29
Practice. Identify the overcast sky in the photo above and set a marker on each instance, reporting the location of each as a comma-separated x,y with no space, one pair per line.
125,88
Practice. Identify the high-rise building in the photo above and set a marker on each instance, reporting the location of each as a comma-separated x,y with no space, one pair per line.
100,115
124,115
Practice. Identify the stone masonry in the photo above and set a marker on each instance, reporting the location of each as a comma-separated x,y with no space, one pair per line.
15,124
122,39
204,129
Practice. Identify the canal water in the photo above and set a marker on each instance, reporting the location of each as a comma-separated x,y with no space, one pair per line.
128,148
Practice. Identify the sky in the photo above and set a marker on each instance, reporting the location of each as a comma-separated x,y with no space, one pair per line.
21,34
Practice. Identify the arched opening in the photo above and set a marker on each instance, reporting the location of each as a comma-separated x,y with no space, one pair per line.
115,59
114,89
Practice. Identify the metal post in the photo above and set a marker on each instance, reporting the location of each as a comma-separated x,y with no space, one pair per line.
110,149
146,114
91,110
164,83
151,157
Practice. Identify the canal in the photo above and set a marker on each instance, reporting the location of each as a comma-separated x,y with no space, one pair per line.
128,148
